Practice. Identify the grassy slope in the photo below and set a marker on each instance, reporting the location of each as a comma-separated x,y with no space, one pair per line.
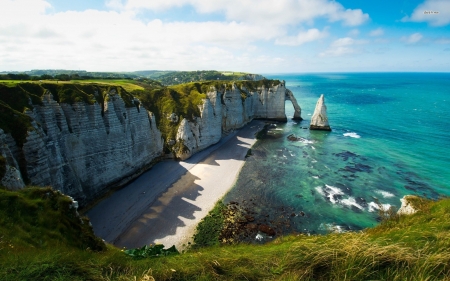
38,241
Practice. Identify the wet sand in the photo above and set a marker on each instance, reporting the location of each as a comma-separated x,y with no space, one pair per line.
165,204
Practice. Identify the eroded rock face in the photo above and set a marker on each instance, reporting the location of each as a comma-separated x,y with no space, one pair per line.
319,120
297,109
406,207
12,177
83,150
227,110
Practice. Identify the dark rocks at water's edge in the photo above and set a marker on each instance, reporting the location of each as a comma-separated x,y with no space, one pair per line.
249,222
293,137
319,120
264,228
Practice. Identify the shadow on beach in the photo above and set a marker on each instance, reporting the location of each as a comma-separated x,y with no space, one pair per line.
163,217
172,197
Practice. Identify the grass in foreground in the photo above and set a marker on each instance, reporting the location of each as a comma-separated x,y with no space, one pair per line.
412,247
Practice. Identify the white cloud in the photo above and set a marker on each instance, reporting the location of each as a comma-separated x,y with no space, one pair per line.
302,37
434,12
113,41
33,35
413,38
265,12
342,46
377,32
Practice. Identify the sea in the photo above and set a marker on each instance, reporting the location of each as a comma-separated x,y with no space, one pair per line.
390,138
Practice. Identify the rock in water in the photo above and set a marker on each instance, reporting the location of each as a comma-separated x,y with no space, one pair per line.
319,120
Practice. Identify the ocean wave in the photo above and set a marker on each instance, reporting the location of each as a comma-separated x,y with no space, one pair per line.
352,135
385,194
373,207
332,227
332,192
351,202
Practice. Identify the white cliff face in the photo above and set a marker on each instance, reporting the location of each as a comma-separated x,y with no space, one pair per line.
269,102
225,110
319,120
406,207
81,150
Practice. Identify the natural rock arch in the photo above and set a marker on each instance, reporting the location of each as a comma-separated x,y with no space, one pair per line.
297,109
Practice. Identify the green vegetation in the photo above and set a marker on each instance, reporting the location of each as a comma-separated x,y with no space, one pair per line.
38,218
181,77
151,251
41,238
210,228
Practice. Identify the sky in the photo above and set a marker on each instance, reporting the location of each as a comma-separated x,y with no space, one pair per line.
258,36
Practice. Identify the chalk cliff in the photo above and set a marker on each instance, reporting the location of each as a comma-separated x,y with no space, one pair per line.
319,120
407,208
297,109
230,108
85,148
81,149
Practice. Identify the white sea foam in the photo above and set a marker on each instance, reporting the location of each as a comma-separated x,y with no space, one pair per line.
313,147
316,177
373,207
333,191
385,194
319,189
351,202
331,227
352,135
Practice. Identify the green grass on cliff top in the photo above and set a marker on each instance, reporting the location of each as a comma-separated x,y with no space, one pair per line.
38,241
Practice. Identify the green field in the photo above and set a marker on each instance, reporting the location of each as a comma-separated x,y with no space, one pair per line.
128,85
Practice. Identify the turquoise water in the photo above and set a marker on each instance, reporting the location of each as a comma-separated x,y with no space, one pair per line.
390,138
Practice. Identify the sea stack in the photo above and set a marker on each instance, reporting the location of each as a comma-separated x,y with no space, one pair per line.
319,120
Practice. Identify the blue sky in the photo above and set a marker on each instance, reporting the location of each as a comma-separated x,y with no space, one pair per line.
261,36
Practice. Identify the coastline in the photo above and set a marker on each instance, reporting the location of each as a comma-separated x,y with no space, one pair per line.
166,209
